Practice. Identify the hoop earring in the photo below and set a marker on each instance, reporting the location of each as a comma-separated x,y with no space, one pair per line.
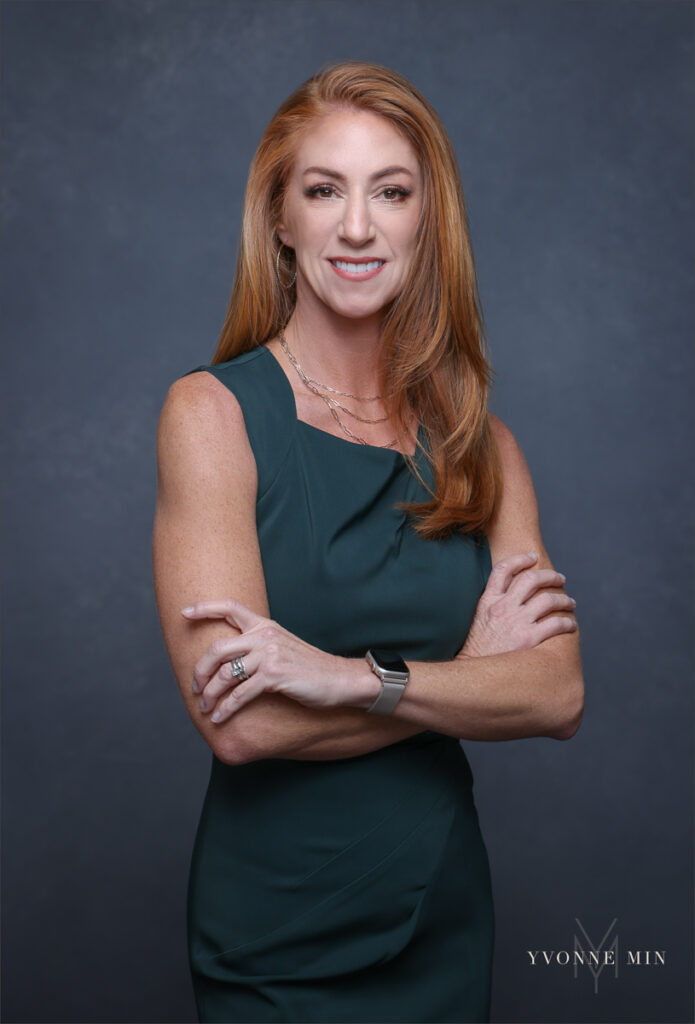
277,270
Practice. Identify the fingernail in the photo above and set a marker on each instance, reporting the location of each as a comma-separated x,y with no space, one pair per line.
195,687
562,577
188,610
574,603
216,717
202,704
532,554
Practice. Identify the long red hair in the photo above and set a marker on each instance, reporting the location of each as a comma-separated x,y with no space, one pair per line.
433,350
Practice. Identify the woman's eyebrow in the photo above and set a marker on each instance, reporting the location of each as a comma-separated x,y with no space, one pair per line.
341,177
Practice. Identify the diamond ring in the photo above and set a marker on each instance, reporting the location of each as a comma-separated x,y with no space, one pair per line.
239,670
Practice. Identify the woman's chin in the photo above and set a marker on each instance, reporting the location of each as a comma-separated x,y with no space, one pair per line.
357,309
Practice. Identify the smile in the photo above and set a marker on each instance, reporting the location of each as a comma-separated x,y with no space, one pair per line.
357,271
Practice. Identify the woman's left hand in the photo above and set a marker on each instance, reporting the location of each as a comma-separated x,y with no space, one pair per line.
275,661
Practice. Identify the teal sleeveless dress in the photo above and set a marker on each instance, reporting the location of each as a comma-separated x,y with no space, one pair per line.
356,889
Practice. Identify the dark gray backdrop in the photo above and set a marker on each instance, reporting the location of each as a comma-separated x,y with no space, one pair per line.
127,129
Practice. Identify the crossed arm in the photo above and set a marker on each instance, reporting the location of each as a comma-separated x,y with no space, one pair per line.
205,546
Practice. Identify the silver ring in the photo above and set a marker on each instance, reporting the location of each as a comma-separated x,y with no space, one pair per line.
239,670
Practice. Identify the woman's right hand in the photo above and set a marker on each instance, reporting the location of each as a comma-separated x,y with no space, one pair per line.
519,608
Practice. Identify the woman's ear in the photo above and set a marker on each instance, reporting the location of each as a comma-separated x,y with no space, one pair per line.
284,235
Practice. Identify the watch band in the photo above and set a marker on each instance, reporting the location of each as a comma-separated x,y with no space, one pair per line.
390,694
393,684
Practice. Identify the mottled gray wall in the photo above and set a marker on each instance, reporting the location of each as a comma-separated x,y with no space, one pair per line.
127,130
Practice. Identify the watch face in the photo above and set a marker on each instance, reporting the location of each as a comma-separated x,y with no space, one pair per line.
389,661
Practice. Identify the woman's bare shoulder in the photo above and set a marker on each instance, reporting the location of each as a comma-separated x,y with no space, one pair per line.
506,441
201,428
515,469
200,398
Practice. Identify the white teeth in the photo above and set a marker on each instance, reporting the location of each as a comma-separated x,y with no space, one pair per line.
357,268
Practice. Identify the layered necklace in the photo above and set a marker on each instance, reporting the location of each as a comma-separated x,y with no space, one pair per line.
333,404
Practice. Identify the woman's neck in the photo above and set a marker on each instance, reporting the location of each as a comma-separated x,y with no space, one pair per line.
339,351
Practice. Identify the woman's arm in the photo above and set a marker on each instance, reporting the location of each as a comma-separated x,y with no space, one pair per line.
205,542
518,675
538,691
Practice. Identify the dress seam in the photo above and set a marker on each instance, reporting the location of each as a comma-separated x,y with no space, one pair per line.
261,351
280,467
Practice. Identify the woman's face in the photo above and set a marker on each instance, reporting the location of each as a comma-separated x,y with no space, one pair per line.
351,212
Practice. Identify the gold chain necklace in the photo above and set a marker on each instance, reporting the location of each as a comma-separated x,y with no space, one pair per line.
333,405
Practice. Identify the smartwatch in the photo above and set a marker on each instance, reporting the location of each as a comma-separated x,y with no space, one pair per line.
394,674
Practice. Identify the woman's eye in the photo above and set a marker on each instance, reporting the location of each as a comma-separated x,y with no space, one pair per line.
322,191
394,193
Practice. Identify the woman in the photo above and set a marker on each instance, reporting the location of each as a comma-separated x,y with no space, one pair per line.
332,495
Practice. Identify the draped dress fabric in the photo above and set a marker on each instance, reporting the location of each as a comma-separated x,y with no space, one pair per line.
355,889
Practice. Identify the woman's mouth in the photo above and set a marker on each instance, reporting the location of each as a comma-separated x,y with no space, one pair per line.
355,270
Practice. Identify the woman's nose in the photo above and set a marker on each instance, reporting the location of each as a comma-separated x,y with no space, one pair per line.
356,226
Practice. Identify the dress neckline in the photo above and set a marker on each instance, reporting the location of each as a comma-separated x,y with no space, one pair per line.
327,433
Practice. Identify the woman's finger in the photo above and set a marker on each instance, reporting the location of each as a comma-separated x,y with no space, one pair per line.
548,601
225,678
221,650
240,695
524,586
234,611
553,626
503,572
